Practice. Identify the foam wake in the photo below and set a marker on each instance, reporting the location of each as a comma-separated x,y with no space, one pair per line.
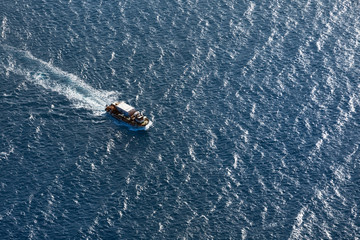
54,79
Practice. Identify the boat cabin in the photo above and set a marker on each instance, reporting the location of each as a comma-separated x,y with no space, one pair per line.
125,109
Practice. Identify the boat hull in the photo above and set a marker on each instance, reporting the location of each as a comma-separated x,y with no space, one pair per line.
131,127
131,124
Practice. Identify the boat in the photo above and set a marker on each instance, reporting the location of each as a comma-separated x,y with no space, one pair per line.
129,115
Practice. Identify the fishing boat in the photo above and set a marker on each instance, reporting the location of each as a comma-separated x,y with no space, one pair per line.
128,114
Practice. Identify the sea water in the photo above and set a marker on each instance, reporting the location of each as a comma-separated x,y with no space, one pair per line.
255,107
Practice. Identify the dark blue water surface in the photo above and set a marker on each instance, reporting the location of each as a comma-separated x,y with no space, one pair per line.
256,112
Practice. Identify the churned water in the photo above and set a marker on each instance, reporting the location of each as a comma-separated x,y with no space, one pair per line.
256,114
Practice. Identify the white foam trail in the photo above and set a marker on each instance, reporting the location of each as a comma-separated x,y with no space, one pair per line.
3,26
75,89
54,79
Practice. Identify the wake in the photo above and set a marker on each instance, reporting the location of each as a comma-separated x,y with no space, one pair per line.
52,78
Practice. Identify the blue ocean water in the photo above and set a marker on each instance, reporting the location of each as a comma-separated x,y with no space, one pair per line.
255,107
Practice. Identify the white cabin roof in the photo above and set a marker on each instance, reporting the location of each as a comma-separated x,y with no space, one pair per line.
123,106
